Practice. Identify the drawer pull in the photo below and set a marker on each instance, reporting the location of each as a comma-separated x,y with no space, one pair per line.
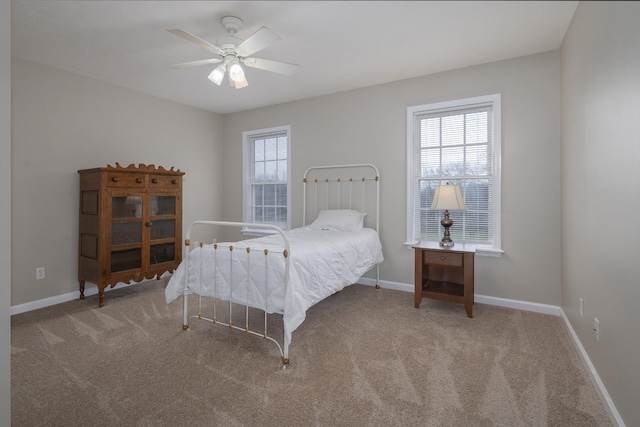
442,258
115,179
174,181
139,180
154,180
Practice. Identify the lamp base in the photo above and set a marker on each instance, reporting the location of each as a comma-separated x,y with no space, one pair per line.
446,222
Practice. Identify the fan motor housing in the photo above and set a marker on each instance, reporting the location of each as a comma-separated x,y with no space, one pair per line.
231,24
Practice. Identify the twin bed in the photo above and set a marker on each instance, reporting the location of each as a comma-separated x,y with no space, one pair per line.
286,272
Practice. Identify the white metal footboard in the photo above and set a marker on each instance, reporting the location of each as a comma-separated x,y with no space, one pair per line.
237,246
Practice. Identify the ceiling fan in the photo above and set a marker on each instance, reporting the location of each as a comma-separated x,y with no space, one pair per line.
232,51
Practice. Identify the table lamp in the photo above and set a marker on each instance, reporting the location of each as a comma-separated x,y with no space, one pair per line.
447,197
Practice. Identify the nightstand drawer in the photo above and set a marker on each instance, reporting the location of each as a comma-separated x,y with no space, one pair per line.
442,258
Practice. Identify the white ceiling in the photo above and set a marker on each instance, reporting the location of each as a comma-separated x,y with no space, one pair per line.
339,45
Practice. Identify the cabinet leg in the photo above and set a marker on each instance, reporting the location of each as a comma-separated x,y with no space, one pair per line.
81,286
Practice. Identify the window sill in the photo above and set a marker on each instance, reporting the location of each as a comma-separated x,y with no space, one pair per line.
489,252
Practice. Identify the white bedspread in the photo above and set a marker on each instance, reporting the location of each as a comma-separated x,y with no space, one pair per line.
322,262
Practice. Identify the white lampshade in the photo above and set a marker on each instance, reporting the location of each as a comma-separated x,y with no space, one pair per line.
242,83
236,73
217,75
448,197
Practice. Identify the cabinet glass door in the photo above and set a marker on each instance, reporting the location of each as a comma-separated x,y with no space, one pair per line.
163,205
163,229
164,252
126,233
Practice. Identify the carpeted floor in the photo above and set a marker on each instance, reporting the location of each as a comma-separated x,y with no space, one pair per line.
362,357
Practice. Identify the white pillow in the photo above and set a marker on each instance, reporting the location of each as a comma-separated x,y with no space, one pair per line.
339,219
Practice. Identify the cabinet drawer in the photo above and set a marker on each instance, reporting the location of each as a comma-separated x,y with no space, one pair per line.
442,258
164,181
130,180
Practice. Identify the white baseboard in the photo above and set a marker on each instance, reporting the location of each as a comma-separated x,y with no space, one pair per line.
614,415
396,286
519,305
482,299
59,299
89,290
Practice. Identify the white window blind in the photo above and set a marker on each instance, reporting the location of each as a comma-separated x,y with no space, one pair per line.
266,171
455,143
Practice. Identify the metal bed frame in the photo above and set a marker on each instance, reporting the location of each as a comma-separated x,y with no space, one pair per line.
323,198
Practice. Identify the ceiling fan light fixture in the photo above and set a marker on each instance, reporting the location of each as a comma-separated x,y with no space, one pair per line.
233,52
217,75
236,73
242,83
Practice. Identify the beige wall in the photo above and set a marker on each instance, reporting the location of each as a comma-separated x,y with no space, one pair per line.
369,125
61,123
601,191
5,212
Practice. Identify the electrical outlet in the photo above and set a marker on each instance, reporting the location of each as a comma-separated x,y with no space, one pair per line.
39,273
581,307
596,328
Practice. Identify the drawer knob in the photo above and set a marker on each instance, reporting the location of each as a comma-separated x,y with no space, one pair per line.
139,180
154,180
115,179
174,181
148,223
442,258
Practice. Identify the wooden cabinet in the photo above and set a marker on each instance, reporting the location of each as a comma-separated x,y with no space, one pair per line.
445,273
130,224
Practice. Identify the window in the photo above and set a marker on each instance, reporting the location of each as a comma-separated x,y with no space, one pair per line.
456,142
266,176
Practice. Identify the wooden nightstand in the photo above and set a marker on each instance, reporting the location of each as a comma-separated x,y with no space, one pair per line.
444,273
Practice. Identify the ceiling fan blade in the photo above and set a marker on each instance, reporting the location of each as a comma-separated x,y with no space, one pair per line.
197,40
269,65
257,41
195,63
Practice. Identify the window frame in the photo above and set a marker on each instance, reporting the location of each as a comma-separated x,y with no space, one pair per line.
248,137
495,100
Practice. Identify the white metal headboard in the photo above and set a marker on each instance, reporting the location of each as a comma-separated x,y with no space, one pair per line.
330,190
